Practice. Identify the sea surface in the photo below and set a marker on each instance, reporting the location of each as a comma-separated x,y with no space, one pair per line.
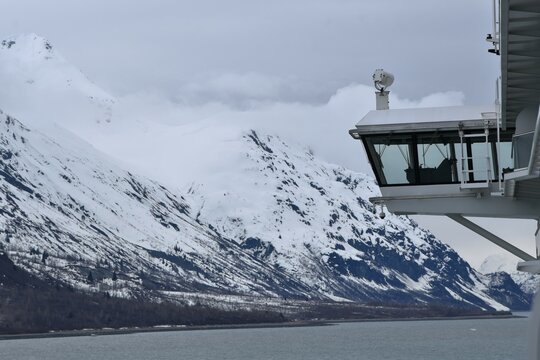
416,340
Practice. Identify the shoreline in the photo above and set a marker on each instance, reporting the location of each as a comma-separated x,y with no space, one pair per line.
169,328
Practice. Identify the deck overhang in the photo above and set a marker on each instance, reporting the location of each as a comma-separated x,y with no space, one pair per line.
450,199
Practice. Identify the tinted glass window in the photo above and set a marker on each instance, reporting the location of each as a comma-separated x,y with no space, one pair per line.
394,159
438,157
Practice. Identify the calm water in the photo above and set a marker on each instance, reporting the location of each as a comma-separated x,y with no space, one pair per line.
440,340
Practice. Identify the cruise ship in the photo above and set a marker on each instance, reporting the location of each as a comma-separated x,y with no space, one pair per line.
469,161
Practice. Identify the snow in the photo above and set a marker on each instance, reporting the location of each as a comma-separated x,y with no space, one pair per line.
508,263
426,115
54,90
499,262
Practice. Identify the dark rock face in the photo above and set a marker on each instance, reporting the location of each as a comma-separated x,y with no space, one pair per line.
504,289
12,276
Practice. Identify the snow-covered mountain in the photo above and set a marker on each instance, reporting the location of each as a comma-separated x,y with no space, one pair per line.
301,213
68,211
40,85
296,227
259,217
506,263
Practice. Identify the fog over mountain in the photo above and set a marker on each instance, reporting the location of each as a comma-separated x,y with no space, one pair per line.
40,81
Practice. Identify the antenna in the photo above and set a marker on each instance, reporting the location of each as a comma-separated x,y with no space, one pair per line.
495,36
382,80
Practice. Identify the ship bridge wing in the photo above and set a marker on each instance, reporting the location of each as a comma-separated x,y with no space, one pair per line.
460,160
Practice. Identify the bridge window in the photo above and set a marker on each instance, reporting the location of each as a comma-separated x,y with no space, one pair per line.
437,158
393,158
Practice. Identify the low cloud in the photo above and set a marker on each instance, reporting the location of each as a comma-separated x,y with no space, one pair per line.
248,90
166,128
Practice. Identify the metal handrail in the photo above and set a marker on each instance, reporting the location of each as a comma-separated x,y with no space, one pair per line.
525,133
465,170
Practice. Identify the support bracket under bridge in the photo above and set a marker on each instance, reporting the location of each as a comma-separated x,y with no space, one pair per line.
491,237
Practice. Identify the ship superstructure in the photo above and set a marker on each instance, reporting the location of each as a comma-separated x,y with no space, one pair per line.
479,161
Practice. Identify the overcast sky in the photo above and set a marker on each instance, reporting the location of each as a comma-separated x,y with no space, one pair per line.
314,46
301,52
